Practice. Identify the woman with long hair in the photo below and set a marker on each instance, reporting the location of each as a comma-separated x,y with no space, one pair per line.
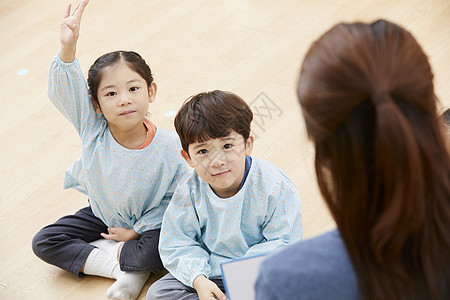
383,168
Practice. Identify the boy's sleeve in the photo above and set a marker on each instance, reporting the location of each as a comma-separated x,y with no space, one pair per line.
180,244
283,225
67,89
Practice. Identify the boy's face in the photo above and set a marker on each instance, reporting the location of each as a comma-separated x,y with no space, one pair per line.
221,162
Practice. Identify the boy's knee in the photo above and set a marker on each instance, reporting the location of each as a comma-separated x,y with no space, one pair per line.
154,292
151,293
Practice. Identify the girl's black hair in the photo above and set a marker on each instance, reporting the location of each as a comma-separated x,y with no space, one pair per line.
133,60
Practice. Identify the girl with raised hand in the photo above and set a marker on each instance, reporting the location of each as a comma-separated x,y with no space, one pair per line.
128,167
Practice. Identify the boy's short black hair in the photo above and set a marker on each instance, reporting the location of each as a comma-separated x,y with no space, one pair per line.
212,115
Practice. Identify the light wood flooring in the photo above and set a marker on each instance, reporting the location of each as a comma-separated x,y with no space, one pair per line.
251,47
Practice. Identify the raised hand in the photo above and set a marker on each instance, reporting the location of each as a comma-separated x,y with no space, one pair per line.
70,31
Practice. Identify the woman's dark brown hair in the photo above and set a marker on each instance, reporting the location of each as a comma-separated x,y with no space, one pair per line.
366,92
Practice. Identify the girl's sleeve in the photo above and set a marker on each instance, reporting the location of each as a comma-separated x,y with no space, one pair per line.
179,245
283,225
67,89
147,220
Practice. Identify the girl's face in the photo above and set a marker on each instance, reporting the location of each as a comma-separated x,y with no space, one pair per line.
123,97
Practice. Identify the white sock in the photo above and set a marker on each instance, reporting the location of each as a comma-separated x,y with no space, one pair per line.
128,285
109,246
100,263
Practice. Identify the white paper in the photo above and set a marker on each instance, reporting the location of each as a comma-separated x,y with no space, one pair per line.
239,277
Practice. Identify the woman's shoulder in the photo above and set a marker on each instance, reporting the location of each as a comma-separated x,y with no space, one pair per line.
319,267
325,247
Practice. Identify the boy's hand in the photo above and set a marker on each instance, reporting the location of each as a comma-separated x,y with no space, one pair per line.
121,234
207,290
70,31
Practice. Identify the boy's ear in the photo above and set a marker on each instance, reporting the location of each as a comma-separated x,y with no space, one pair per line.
96,105
187,158
249,145
152,92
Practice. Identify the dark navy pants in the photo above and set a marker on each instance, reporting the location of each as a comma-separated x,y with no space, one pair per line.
65,244
169,288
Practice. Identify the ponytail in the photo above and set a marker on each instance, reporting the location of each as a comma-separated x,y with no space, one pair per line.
383,168
399,191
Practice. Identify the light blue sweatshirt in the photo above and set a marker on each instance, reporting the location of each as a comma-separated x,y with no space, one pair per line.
201,230
126,188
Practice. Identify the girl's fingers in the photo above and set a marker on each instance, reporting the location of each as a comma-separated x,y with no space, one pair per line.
80,8
67,13
76,8
71,25
109,236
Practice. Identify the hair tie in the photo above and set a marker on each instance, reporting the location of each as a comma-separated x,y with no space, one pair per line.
380,98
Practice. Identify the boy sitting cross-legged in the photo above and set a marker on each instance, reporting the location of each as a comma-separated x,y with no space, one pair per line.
231,206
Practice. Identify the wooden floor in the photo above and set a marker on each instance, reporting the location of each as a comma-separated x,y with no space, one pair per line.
253,48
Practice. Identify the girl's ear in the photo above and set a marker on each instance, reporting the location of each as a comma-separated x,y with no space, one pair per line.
187,158
96,105
249,145
152,92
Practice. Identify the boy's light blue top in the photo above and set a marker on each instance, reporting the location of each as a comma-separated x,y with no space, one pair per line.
126,188
201,230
